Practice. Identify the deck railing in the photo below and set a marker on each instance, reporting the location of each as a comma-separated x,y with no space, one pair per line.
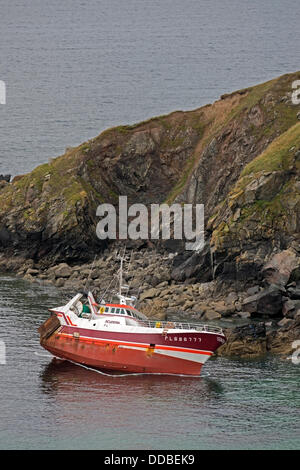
169,325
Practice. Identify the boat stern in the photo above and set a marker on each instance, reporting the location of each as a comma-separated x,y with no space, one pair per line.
48,328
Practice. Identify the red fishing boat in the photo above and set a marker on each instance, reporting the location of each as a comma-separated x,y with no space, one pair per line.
116,336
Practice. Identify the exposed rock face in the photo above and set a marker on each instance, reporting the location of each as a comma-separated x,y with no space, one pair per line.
261,215
195,265
51,212
280,267
204,302
63,270
5,178
268,302
245,341
281,341
239,157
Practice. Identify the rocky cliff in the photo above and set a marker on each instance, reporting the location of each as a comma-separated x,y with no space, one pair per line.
239,156
51,212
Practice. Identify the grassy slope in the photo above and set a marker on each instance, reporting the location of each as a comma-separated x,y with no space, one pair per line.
57,186
234,107
261,217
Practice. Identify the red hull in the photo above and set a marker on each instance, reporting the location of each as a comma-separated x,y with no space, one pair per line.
117,355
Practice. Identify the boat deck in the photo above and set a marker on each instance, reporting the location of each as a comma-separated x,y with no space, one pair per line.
169,325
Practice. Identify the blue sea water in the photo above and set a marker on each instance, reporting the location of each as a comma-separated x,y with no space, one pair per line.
77,67
73,69
234,404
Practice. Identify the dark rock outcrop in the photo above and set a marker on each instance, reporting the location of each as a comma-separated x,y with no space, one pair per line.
281,341
240,157
5,178
268,302
280,267
232,156
245,341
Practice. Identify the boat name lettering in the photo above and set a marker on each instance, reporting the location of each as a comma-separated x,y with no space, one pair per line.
184,338
111,321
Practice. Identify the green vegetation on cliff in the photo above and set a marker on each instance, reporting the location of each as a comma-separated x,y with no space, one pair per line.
278,155
237,156
265,201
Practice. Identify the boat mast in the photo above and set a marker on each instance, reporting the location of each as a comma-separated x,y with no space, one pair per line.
122,258
123,297
121,276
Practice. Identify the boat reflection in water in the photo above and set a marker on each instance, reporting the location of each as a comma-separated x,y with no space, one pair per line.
61,377
133,411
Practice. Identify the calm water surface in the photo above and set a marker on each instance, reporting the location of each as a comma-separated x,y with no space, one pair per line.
47,405
73,69
76,67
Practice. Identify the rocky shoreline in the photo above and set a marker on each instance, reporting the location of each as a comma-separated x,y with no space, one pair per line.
257,320
239,157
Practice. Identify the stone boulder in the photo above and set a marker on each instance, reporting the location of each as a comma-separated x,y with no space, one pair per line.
294,293
149,294
253,290
197,265
63,270
278,270
290,307
211,315
285,322
224,309
245,341
282,341
267,302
